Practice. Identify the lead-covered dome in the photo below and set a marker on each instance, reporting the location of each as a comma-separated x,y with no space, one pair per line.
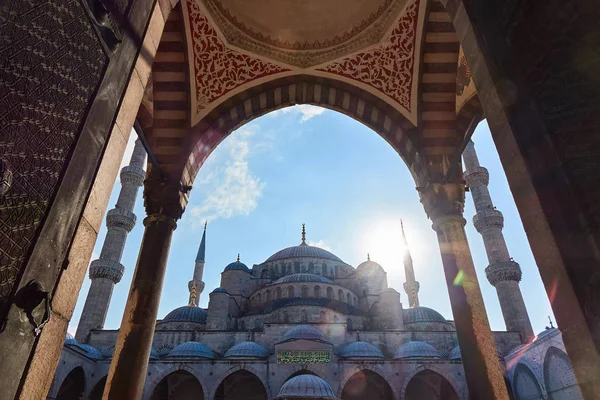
422,314
361,349
303,250
237,266
187,314
306,386
91,351
70,339
192,349
306,332
455,354
416,349
247,349
303,277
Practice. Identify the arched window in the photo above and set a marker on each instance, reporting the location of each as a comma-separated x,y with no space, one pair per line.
354,301
348,324
264,274
304,317
340,295
330,293
322,317
286,317
311,268
258,298
304,291
290,291
336,270
317,291
269,296
324,269
296,267
347,298
278,293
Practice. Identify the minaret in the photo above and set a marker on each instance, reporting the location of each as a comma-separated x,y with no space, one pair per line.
107,271
411,286
196,285
503,272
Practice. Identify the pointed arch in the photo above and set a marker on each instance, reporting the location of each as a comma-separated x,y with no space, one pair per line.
461,390
429,385
241,385
73,386
178,385
525,384
367,384
559,377
98,389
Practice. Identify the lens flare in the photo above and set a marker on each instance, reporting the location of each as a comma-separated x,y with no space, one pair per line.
458,281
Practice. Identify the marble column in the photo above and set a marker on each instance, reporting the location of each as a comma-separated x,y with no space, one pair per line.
503,272
444,205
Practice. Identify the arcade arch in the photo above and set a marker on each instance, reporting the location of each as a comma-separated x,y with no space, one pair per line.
241,385
559,378
178,385
525,384
429,385
73,386
365,385
96,393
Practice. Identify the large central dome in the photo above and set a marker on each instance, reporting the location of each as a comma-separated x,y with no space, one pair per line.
303,250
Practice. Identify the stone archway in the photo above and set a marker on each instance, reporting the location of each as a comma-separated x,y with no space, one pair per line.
559,377
525,384
241,385
429,385
178,385
366,384
73,387
96,393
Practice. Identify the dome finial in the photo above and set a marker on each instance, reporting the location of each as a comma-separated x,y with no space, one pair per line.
238,259
304,234
368,257
551,324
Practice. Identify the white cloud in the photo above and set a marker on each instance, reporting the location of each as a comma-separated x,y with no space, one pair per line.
231,188
305,111
320,244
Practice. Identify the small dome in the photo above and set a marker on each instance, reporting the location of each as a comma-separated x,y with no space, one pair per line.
237,266
306,332
361,349
163,351
306,386
368,266
422,314
303,250
455,354
220,290
416,349
153,354
91,351
303,277
247,349
192,349
109,352
70,339
186,314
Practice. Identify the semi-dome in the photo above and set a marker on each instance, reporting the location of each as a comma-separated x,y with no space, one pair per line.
306,332
91,351
416,349
192,349
306,386
247,349
303,250
422,314
455,354
70,339
361,349
303,277
237,266
186,314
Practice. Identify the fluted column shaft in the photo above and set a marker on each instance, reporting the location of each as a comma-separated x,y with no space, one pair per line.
107,271
503,272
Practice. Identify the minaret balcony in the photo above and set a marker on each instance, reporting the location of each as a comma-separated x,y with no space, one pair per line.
106,269
120,218
477,177
489,218
132,175
503,271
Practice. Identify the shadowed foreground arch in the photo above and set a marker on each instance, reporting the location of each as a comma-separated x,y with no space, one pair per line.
179,385
73,387
96,393
429,385
241,385
366,385
525,384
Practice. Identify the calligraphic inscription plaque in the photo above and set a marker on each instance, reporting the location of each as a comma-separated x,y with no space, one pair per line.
303,357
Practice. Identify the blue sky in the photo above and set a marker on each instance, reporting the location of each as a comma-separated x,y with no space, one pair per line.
309,165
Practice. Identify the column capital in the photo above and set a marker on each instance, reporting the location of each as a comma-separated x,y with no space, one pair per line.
503,271
154,218
442,200
166,197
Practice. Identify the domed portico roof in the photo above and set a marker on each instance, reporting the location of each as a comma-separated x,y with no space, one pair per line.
361,349
422,314
306,332
416,349
91,351
186,314
306,387
247,349
303,277
192,349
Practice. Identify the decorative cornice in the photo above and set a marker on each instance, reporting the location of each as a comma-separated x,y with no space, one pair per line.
479,176
120,218
489,218
503,271
132,175
106,269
